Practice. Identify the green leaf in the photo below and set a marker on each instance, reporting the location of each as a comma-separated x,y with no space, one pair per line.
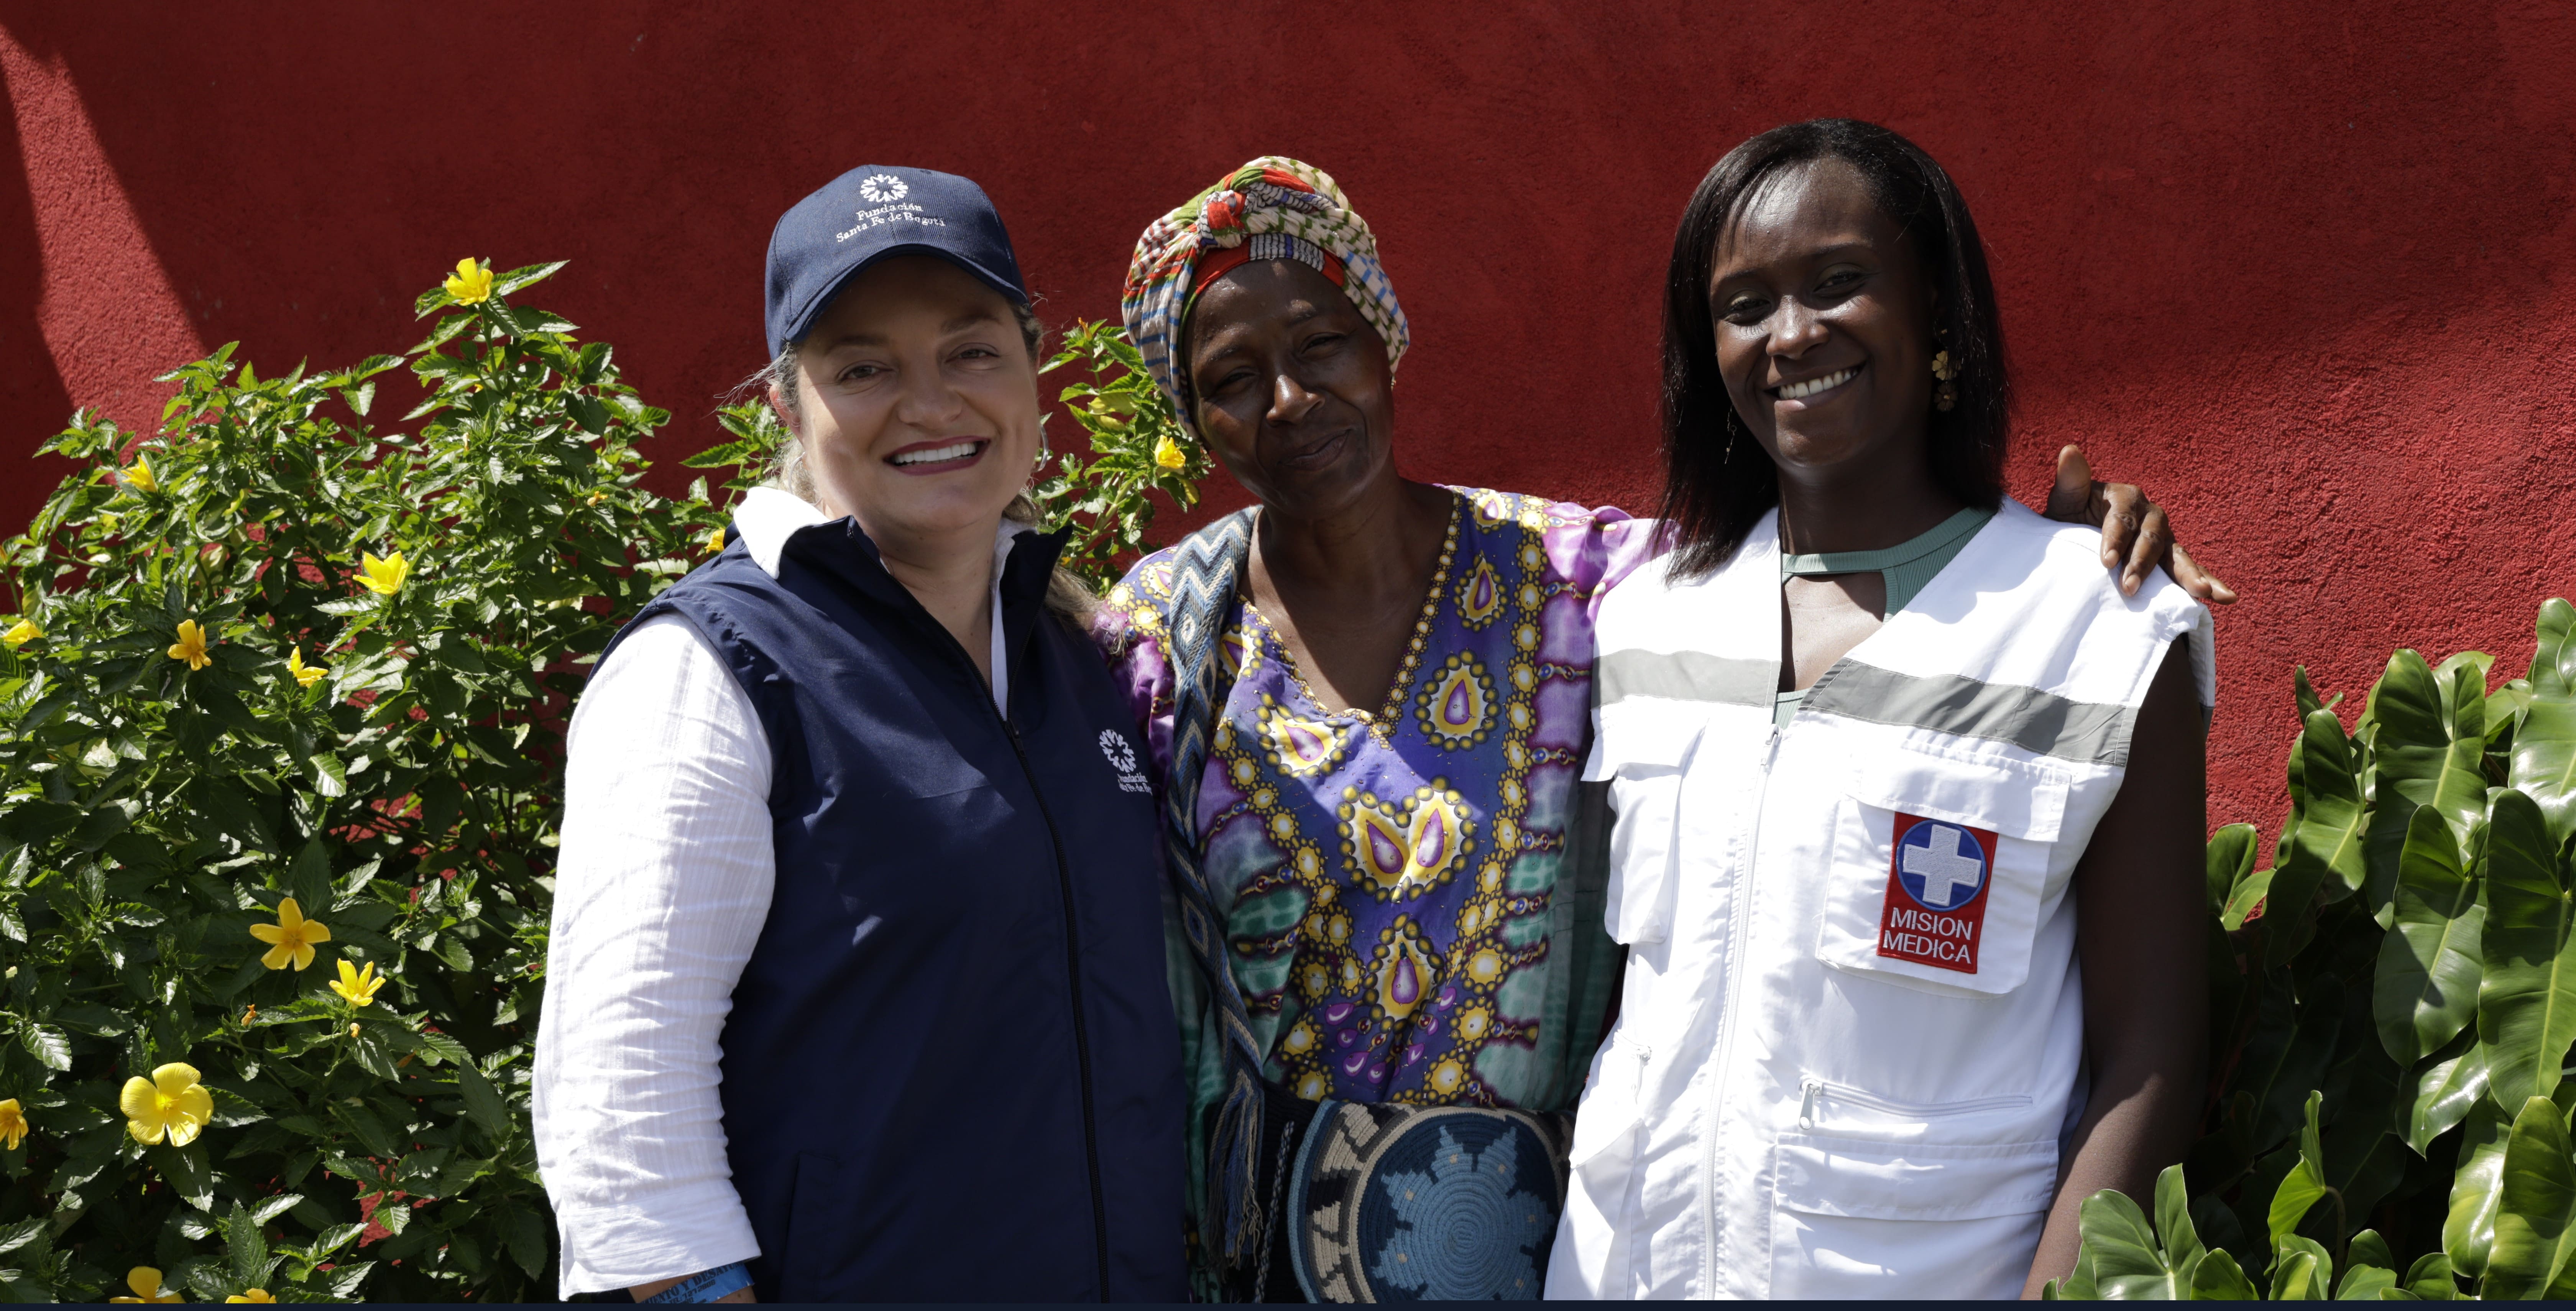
2431,1280
2173,1218
519,279
2364,1283
2430,749
481,1101
2219,1279
308,880
2445,1091
2527,1000
2326,855
2305,1183
2302,1272
2230,859
2468,1231
2553,659
528,1240
246,1245
2426,989
50,1048
2533,1235
2121,1258
2544,758
186,1170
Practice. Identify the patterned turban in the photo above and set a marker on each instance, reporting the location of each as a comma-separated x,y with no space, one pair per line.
1271,208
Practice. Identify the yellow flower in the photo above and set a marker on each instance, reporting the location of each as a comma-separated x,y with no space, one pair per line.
254,1295
305,675
353,1026
290,938
171,1102
1941,366
472,284
13,1124
191,645
359,986
146,1283
21,633
715,540
383,577
1168,453
138,476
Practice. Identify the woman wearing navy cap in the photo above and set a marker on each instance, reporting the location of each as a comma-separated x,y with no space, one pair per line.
856,985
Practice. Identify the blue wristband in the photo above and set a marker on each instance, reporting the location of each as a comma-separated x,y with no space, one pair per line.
707,1285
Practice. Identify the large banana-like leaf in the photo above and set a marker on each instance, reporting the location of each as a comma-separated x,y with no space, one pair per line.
2445,1091
2544,758
2292,1045
2430,751
2527,999
2121,1259
2305,1183
2430,1279
2219,1279
2553,663
2426,989
2326,853
2468,1231
2301,1271
2230,858
2534,1233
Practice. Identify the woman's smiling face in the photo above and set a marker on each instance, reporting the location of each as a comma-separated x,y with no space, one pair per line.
918,401
1824,320
1290,387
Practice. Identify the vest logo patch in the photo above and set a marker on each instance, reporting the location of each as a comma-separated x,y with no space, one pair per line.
1935,912
1122,757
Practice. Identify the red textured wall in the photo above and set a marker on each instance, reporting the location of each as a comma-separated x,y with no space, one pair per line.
2307,271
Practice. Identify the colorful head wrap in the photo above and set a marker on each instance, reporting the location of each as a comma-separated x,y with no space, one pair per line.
1271,208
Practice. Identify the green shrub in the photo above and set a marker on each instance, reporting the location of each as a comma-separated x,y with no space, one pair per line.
272,654
402,791
2392,1003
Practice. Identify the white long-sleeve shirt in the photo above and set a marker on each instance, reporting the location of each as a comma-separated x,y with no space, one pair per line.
663,885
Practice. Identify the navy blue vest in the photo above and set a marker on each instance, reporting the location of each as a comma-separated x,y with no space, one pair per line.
951,1070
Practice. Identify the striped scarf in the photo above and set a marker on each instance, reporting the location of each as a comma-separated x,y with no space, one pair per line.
1271,208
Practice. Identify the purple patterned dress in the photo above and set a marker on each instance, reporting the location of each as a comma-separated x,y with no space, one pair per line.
1388,877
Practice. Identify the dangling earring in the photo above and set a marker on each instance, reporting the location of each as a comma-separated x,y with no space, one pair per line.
1945,397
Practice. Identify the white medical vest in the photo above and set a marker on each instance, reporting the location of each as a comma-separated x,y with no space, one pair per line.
1851,1032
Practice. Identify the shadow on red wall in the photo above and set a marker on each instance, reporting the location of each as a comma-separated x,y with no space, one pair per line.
2307,272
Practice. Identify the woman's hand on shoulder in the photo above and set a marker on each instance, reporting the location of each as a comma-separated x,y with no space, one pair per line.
2133,528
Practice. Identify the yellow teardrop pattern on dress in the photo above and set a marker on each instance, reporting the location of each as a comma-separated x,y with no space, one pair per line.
1239,651
1480,595
1404,970
1457,709
1409,848
1300,746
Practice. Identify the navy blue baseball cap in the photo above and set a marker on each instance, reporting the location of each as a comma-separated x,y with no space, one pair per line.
868,214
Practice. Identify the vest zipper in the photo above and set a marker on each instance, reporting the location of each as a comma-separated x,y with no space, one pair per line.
1735,935
1072,962
1813,1088
1073,981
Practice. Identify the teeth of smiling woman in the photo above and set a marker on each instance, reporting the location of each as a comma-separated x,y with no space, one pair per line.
1801,390
957,452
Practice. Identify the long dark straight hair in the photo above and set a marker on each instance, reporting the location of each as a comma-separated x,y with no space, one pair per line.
1718,481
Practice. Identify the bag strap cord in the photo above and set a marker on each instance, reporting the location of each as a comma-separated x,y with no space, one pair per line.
1205,572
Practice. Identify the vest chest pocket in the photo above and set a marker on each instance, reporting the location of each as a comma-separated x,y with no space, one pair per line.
1940,869
1644,762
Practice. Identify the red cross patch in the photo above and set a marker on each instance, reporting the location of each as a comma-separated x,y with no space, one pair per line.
1935,912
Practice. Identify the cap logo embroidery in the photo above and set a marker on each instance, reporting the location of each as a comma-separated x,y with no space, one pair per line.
1935,910
883,188
1121,756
